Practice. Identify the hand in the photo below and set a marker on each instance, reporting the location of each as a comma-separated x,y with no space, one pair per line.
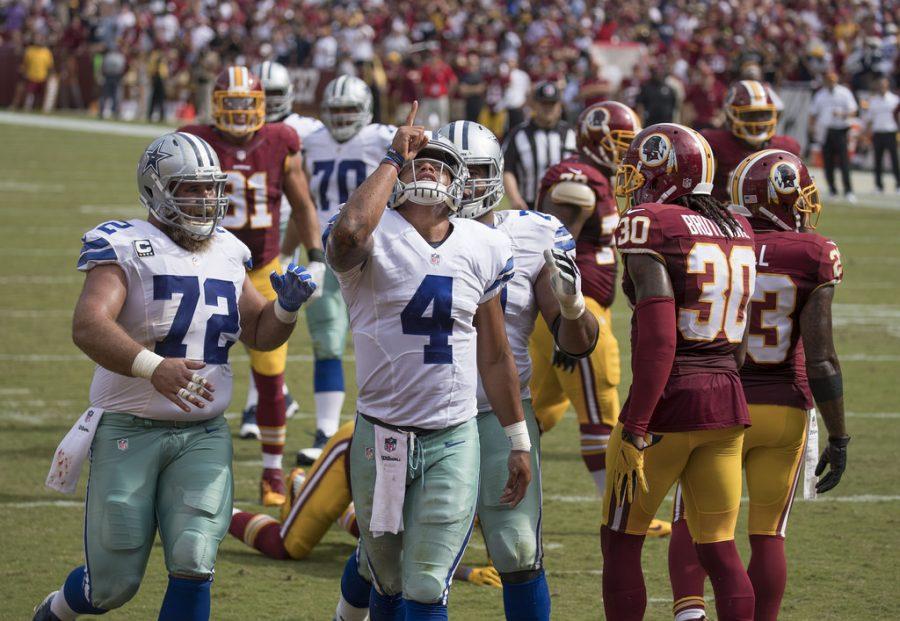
519,464
565,281
563,360
175,379
410,139
485,576
835,456
316,270
628,469
293,287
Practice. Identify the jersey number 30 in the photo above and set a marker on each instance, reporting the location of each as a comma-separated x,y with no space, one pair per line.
439,326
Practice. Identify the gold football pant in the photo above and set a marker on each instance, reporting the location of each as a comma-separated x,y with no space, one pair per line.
267,362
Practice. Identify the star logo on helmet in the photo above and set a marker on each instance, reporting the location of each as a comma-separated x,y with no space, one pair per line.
154,156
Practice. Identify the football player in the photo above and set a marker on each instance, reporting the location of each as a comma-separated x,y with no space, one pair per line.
546,280
423,295
797,271
751,114
163,301
262,162
339,157
690,270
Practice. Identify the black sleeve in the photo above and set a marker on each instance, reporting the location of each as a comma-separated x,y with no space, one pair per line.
511,153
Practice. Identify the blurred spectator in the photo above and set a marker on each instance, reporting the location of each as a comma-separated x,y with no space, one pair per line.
158,71
37,67
704,102
111,70
657,100
493,113
881,120
831,109
472,87
325,50
437,81
594,88
516,94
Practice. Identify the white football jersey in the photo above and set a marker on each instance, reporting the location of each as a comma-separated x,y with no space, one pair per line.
179,304
530,233
336,169
304,126
411,309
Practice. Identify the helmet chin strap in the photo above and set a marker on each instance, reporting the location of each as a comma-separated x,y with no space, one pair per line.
775,219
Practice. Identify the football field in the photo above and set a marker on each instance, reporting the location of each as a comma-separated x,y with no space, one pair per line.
843,549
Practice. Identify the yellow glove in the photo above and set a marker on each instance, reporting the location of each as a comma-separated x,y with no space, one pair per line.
485,576
628,470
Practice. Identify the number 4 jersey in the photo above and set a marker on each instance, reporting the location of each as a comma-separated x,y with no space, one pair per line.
411,311
179,304
790,267
712,278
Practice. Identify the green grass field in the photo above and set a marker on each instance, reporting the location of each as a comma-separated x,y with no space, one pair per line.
843,551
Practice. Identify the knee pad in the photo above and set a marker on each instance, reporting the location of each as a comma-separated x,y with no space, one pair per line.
520,577
424,588
192,554
510,552
115,591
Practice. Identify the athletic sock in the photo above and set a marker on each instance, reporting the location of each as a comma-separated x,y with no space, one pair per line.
355,593
731,585
416,611
72,600
252,395
348,522
259,531
594,439
186,600
685,574
328,386
624,593
270,414
386,607
527,601
768,574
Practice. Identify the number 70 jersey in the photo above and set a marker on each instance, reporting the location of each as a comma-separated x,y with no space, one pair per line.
411,313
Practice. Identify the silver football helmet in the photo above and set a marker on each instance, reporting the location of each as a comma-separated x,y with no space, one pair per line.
346,107
479,147
443,157
276,82
178,158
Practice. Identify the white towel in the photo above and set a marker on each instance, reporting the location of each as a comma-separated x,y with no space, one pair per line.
812,456
391,451
72,451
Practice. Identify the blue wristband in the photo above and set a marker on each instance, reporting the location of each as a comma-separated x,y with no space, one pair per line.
394,158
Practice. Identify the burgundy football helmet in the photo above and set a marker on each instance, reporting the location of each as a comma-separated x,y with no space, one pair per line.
776,185
239,102
605,131
750,111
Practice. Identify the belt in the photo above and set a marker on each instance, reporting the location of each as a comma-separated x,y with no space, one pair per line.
419,431
137,421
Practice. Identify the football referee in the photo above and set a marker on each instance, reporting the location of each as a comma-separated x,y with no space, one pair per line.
536,145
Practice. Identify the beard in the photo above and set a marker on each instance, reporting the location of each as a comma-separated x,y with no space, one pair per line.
183,239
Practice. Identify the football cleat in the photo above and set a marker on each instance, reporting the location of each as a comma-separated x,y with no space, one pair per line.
249,428
271,488
308,456
42,611
659,528
294,482
291,406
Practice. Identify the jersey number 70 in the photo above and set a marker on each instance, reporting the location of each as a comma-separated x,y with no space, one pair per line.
439,326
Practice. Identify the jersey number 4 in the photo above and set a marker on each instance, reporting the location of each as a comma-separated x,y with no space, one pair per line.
437,292
173,346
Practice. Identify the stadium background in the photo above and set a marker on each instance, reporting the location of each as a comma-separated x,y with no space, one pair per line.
56,182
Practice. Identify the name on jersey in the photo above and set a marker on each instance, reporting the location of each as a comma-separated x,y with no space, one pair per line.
698,225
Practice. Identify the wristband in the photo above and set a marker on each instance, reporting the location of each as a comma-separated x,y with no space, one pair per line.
394,158
283,315
316,254
145,364
517,434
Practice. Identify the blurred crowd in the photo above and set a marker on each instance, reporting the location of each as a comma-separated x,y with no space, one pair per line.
474,59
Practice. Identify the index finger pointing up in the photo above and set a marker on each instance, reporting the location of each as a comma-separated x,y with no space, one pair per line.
411,117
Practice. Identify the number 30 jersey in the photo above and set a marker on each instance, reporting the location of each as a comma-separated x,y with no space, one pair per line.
336,169
411,313
712,278
790,267
178,304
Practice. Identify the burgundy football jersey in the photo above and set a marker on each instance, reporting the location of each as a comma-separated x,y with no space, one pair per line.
255,179
594,252
790,266
712,278
731,151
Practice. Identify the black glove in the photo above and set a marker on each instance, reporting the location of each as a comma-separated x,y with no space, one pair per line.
834,455
563,360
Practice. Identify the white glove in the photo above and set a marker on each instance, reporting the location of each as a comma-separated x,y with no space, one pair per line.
565,280
316,269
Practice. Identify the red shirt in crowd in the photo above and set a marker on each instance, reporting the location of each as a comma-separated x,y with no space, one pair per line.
437,78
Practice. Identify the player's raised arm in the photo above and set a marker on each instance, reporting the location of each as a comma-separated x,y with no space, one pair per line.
350,240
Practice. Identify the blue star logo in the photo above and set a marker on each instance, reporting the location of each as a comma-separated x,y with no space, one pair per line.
154,157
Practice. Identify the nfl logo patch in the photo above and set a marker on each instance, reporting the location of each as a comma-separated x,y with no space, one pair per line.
89,415
123,444
435,259
241,155
390,444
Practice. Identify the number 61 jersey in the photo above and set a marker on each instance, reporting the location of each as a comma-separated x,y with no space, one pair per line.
713,278
411,310
178,303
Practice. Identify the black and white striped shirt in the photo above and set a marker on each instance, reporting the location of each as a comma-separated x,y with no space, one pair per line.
530,150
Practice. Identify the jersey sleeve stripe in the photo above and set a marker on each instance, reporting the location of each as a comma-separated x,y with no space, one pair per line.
94,244
565,244
505,276
97,256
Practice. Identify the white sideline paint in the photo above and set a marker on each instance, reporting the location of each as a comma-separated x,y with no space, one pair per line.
84,125
22,279
10,185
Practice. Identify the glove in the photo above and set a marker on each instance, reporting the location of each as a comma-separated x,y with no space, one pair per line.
563,360
294,287
565,280
834,455
485,576
628,470
316,269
